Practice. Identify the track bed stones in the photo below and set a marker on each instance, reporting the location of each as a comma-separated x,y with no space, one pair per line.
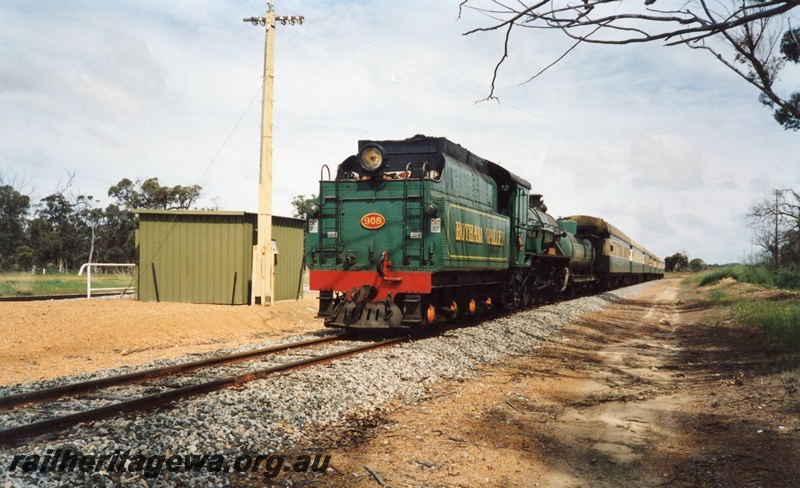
281,413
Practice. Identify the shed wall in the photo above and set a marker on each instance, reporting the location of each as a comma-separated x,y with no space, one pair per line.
207,257
198,257
289,238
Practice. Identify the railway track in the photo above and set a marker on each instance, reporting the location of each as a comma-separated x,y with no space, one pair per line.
170,393
154,393
68,296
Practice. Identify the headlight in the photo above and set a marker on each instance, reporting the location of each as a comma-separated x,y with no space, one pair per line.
372,158
312,209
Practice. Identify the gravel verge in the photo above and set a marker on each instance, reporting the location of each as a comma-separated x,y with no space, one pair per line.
279,414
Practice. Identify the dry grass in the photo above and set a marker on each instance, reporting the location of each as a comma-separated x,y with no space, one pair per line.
22,285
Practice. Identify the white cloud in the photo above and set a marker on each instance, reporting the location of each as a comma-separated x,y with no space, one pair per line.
644,136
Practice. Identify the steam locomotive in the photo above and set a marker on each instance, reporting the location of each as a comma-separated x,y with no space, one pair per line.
416,231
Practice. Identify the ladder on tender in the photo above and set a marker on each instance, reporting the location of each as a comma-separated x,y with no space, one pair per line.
330,225
414,229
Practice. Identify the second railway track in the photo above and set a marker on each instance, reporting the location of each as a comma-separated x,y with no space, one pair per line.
154,392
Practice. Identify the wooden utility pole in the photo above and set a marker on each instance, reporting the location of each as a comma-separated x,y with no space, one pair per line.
777,243
263,259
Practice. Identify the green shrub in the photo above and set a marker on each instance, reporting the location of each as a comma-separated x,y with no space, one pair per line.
780,320
715,275
757,275
787,279
717,295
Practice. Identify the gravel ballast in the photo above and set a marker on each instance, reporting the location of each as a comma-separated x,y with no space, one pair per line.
279,414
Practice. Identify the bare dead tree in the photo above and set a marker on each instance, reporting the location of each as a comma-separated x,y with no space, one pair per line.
754,38
776,225
764,238
22,184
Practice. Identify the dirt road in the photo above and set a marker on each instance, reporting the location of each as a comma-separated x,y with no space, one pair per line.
658,391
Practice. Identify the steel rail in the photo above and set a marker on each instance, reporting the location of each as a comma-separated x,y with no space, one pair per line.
48,394
13,435
70,296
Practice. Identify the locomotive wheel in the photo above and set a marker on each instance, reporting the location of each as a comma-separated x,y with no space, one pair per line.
526,296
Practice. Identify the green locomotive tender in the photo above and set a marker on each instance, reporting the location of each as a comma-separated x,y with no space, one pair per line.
420,230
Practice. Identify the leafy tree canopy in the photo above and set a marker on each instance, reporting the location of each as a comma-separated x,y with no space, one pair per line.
299,203
152,195
66,229
677,262
697,265
14,208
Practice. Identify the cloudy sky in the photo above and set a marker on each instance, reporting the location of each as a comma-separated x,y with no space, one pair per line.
665,143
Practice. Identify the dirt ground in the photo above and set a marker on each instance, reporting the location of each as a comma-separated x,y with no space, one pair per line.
42,340
660,391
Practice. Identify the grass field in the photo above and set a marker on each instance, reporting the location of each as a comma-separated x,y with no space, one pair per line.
26,284
778,318
785,279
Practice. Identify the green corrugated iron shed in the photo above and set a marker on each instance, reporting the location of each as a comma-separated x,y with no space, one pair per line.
288,236
207,256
